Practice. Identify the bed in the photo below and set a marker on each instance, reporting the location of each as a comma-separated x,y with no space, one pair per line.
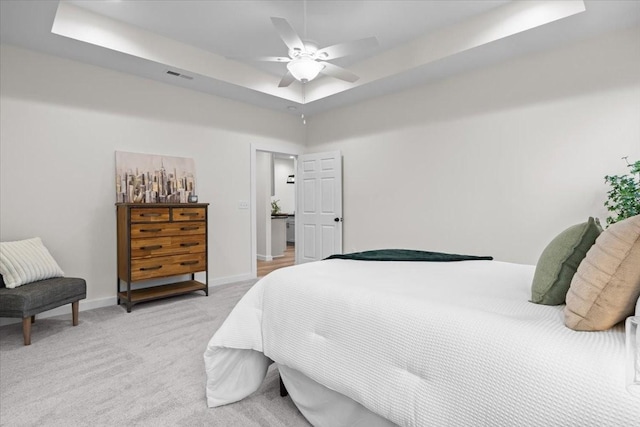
419,344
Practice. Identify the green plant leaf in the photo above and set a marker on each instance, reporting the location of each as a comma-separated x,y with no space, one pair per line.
624,196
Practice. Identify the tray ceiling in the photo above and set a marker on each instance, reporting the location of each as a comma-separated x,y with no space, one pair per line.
419,41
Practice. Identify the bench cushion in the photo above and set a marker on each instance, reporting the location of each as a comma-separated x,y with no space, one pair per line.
43,295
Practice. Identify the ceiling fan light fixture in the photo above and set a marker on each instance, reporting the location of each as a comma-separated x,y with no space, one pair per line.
304,69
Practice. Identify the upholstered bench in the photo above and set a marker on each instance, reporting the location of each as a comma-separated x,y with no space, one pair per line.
33,298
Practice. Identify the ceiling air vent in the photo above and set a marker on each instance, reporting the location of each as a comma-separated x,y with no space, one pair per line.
177,74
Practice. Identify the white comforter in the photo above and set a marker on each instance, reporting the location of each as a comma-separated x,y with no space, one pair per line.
424,344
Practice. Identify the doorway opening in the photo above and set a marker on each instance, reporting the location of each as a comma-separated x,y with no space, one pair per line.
275,202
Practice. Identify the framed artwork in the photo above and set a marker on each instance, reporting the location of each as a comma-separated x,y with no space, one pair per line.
150,178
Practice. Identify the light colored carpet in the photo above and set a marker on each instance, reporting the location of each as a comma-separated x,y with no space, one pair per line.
129,369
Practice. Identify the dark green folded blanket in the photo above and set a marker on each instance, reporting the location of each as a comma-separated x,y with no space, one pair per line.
407,255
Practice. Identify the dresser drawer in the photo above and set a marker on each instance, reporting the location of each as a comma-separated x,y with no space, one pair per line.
148,268
149,214
188,214
168,229
170,245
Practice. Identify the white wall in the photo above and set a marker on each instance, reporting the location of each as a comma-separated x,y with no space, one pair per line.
284,192
61,122
493,162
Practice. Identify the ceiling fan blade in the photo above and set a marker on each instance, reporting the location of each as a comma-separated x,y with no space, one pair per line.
283,59
271,58
287,33
287,79
348,48
338,72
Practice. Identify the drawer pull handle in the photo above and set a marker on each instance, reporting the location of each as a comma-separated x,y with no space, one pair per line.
150,230
150,214
189,214
189,228
151,248
157,267
189,262
186,245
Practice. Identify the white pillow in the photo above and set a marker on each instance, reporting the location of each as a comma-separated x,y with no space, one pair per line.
26,261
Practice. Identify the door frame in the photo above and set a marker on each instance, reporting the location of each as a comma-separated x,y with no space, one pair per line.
276,148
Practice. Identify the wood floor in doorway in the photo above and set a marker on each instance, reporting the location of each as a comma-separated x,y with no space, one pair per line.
289,258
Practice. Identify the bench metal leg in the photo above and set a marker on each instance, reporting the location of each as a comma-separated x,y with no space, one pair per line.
74,310
26,330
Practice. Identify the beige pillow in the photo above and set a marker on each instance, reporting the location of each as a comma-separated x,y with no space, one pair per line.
26,261
606,285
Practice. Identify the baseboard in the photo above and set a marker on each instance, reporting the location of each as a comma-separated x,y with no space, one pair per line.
86,304
231,279
264,257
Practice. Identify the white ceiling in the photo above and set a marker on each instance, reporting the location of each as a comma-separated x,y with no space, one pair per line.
419,41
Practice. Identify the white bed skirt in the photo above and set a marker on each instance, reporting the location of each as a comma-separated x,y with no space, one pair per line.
323,407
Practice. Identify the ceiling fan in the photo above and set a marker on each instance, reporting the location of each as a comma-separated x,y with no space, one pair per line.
306,60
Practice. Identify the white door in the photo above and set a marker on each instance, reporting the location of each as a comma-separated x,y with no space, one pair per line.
318,206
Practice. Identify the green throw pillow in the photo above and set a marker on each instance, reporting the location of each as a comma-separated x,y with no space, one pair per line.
560,260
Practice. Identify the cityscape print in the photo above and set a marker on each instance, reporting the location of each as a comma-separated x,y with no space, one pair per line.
149,178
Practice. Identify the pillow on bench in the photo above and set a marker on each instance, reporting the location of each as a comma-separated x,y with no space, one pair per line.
26,261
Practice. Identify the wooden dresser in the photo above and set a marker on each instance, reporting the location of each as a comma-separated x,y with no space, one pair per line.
157,241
